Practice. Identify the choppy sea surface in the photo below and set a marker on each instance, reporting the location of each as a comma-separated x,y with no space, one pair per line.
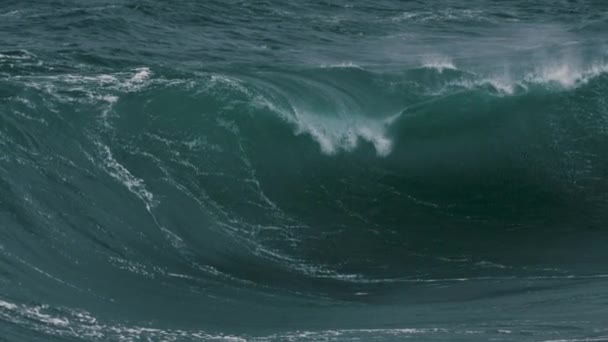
303,171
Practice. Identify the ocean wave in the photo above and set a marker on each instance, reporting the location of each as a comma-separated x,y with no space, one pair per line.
341,112
303,171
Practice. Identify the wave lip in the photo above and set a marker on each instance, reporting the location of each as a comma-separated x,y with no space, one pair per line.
438,63
334,135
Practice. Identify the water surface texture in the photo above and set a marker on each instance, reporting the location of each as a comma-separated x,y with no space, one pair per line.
303,170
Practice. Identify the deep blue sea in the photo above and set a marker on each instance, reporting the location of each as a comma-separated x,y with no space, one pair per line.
303,170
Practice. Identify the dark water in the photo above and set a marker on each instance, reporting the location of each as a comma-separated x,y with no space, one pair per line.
304,171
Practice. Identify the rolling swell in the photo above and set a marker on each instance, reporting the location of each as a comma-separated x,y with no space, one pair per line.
307,202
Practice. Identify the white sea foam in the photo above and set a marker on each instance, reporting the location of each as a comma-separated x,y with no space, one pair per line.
489,264
338,133
10,13
229,82
566,75
439,63
120,173
79,324
7,305
137,268
562,75
141,75
37,312
502,84
108,101
138,80
335,134
76,323
352,334
29,117
22,55
441,15
101,90
342,65
96,85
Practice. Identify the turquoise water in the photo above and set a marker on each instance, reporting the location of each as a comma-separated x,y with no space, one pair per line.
306,171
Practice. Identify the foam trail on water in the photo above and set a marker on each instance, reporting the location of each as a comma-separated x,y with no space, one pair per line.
343,65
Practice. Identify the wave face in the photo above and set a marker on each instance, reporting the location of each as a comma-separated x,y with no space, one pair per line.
265,171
